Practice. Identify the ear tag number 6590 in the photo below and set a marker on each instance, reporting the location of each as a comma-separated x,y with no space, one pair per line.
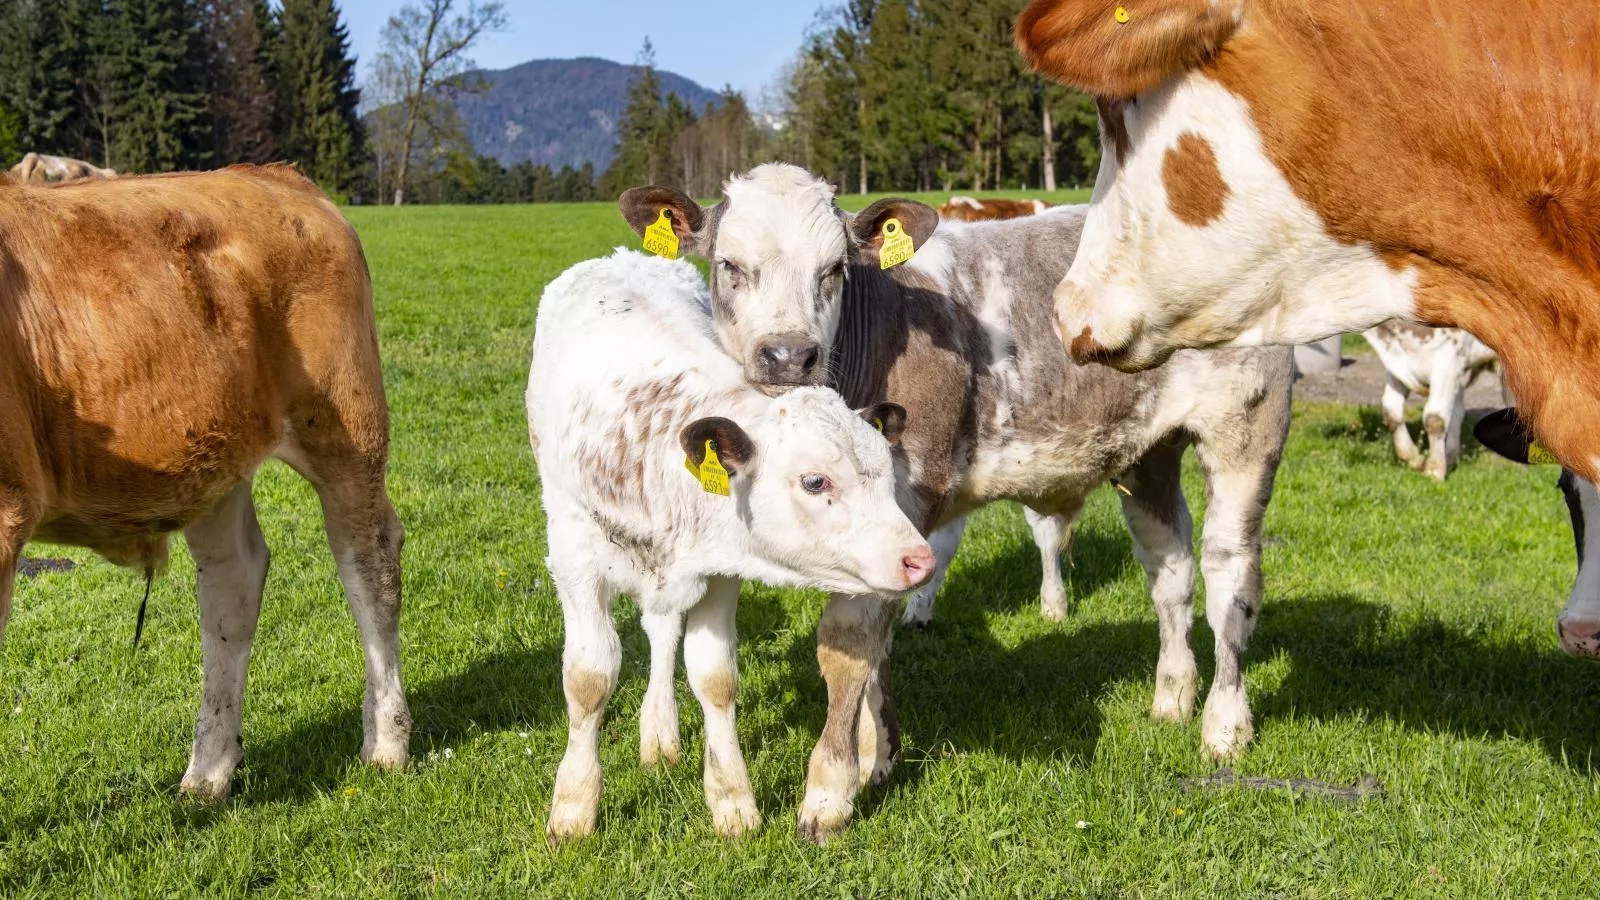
897,245
660,238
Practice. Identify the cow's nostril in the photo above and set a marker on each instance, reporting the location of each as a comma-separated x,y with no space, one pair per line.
768,357
808,360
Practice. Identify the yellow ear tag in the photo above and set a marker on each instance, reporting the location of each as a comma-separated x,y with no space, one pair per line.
660,238
1121,15
878,424
897,245
1539,456
713,477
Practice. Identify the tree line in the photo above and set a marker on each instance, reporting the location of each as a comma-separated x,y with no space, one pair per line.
158,85
885,95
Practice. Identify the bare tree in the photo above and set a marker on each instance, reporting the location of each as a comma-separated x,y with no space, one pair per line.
425,47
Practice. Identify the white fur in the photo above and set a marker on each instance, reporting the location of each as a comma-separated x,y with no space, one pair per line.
621,327
1265,272
1580,620
1441,368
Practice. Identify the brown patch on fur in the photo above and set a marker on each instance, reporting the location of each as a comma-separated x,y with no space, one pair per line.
1194,185
1085,349
587,691
1080,42
1113,125
990,209
719,687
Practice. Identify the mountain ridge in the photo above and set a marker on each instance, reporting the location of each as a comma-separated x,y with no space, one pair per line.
559,111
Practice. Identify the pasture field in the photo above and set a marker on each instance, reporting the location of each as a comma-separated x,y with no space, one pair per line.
1407,634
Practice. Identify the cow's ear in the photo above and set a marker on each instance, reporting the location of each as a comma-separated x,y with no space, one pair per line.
1124,47
1503,432
643,206
888,418
919,220
730,442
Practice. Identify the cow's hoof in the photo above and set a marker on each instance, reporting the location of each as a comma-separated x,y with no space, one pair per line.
1174,700
569,822
658,751
822,817
735,816
205,789
388,757
1053,611
1225,729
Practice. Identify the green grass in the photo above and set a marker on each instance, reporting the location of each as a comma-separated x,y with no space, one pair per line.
1407,633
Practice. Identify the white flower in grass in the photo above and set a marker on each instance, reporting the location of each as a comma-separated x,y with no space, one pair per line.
449,754
523,735
1082,824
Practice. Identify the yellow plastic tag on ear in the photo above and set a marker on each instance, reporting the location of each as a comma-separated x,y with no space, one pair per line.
1539,456
1121,15
897,245
713,477
660,238
878,424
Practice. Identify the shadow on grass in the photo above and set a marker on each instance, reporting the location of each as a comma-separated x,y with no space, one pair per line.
1368,428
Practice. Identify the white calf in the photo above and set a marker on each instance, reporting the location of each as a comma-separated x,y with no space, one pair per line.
626,381
1440,363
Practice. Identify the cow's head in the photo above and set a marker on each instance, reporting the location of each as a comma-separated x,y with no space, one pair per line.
815,482
1578,626
1195,235
780,251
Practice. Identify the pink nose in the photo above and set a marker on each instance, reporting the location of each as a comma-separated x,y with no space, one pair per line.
918,566
1579,637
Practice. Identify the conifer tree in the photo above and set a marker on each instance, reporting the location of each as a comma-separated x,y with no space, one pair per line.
243,98
319,127
161,122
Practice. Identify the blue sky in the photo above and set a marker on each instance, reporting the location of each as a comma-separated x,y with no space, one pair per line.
714,42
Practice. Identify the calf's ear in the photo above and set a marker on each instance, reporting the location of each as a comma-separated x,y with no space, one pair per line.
730,442
1119,49
642,207
888,418
1503,432
919,220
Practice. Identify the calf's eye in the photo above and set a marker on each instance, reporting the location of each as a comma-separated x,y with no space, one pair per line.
816,484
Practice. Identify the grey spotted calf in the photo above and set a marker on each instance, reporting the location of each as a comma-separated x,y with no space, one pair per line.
962,336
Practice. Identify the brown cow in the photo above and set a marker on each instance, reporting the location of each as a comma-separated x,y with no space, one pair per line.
988,209
1280,170
221,319
40,168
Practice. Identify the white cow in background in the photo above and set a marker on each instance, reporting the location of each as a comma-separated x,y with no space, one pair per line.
41,168
1440,364
627,381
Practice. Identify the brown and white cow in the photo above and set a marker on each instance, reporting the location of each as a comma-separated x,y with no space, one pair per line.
989,209
162,337
1280,170
1440,364
960,337
40,168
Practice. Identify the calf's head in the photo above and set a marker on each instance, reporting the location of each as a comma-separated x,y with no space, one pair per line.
780,251
1197,234
1578,626
815,484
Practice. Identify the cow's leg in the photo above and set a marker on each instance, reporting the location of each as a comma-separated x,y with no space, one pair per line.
1441,415
710,655
1163,541
19,512
945,542
1052,532
342,449
590,661
878,731
1394,419
1239,485
658,718
852,643
231,560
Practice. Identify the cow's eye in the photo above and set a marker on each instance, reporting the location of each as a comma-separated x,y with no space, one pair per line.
816,484
729,268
